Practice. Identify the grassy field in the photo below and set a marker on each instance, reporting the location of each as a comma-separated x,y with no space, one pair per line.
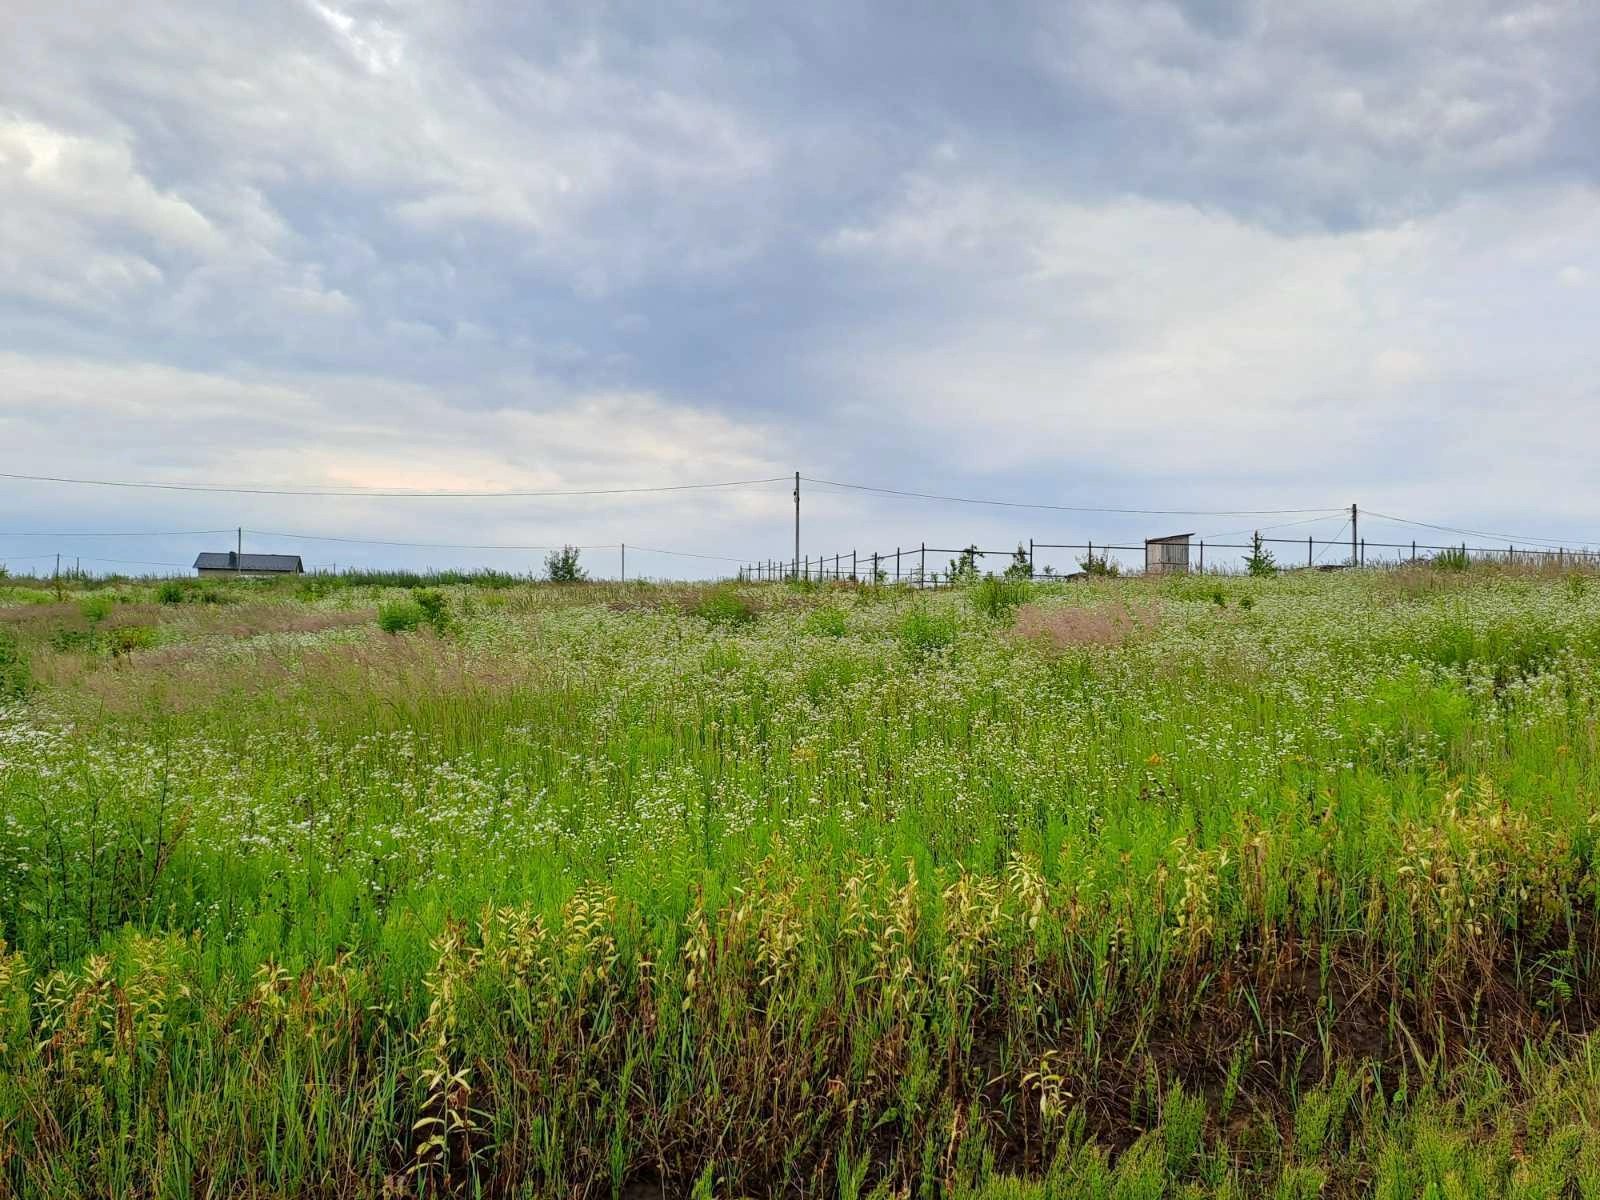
1189,887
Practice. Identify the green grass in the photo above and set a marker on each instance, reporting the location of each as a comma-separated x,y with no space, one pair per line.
749,891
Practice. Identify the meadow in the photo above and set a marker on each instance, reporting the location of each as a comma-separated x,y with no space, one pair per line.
1183,887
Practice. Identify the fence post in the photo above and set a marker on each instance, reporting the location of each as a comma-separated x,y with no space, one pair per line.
922,567
1308,549
1202,556
874,568
1363,552
1413,549
897,564
853,576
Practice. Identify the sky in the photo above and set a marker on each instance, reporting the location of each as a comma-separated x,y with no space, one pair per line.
1217,256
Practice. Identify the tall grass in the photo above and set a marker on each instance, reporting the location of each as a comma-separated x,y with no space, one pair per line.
856,893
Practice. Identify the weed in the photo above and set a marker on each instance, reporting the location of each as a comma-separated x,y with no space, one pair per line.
998,598
923,630
724,607
826,621
400,616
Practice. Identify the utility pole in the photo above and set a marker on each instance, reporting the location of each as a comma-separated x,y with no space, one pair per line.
1354,519
797,522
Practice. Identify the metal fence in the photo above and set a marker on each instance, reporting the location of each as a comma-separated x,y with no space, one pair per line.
908,566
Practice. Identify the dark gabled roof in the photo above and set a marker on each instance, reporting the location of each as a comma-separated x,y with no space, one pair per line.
229,561
1171,537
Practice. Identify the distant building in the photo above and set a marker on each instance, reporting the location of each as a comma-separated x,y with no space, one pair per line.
230,563
1167,555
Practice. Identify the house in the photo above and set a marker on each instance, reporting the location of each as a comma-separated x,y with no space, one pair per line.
1167,555
230,563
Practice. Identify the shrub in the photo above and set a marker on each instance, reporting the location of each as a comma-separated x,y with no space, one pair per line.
435,608
1101,565
923,631
125,639
964,569
998,598
1453,559
724,606
170,592
1260,561
399,616
825,622
1021,564
561,566
15,681
64,639
95,608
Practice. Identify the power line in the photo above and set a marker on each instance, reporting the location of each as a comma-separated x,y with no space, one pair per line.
381,494
688,554
1332,541
317,537
1279,525
1510,537
1080,508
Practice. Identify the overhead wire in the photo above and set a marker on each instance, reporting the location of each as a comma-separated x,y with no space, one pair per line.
1083,508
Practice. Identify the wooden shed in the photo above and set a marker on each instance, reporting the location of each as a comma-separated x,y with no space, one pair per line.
1167,555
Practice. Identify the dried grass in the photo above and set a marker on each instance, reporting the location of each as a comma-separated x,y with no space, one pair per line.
1066,628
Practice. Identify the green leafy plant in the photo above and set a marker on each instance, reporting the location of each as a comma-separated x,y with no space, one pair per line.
15,680
125,639
561,566
924,631
170,591
95,608
1260,561
1100,565
400,616
1021,566
998,597
1454,558
724,606
825,622
964,567
435,608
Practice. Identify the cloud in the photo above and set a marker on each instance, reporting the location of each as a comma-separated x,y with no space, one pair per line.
1129,252
1144,339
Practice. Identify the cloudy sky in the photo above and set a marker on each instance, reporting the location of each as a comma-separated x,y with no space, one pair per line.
1156,254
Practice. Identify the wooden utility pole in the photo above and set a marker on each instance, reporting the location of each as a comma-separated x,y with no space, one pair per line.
797,522
1355,518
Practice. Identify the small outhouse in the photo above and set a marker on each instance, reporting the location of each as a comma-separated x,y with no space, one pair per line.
1167,555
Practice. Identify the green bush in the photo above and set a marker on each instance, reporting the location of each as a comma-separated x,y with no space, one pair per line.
997,598
67,640
95,608
561,566
435,608
923,631
126,639
1453,559
170,592
1100,565
724,607
15,681
400,616
825,622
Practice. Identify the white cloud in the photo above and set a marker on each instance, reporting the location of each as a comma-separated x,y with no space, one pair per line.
1153,340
